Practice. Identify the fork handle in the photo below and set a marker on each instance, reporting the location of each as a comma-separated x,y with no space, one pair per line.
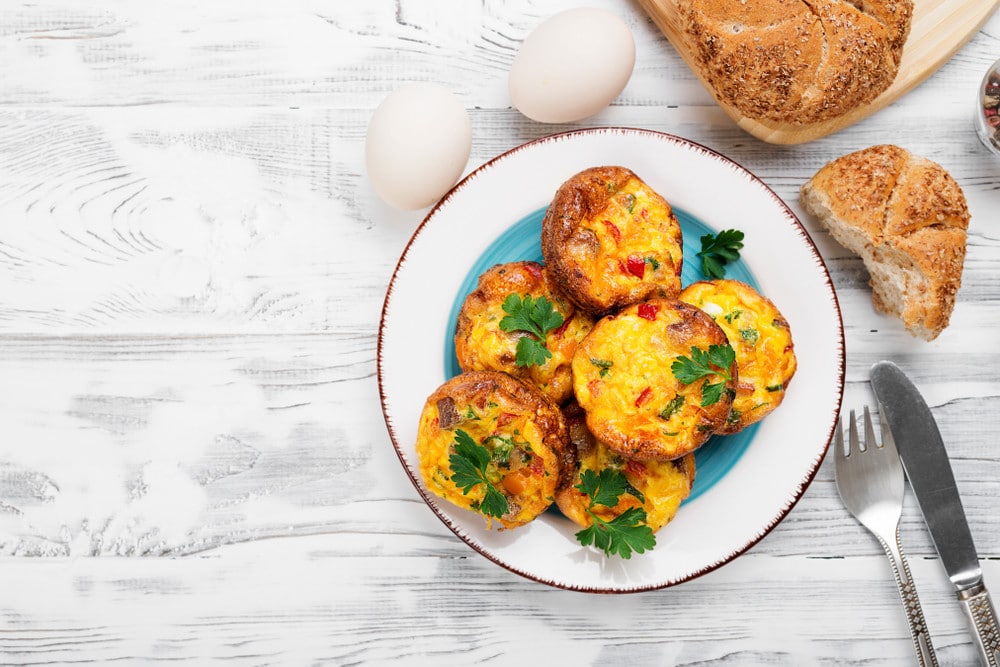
911,603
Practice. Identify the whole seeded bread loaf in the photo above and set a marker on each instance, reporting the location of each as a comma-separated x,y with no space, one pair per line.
796,61
907,219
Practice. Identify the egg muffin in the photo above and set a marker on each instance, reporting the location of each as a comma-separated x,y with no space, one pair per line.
484,339
661,485
635,375
765,355
492,444
611,241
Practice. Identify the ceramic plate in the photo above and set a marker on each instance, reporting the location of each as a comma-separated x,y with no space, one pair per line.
746,483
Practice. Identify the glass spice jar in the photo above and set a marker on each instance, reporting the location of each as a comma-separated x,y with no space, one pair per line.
988,109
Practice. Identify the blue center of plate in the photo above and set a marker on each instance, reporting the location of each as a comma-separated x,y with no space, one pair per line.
522,242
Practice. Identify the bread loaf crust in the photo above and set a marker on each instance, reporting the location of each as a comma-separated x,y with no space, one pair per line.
796,61
907,219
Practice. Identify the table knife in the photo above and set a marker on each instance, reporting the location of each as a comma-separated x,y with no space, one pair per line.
925,461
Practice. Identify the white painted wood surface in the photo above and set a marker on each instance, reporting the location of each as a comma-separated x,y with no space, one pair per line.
193,463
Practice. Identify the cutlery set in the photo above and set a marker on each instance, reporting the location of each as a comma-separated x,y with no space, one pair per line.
870,479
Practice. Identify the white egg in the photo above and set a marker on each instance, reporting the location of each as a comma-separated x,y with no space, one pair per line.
572,65
418,145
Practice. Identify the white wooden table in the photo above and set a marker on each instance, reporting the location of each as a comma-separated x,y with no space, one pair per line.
193,461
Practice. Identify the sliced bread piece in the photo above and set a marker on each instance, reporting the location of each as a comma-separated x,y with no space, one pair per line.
907,218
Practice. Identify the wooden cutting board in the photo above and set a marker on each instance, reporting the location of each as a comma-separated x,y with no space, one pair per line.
939,29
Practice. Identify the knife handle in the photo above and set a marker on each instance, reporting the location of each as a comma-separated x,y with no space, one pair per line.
978,607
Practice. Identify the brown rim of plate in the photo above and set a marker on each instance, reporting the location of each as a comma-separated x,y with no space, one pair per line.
796,225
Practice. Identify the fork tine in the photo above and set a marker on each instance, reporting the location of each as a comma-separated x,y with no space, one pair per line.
870,440
838,437
854,444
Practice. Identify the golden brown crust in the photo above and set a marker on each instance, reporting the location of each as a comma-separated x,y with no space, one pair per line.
793,61
609,240
622,378
907,219
494,408
480,343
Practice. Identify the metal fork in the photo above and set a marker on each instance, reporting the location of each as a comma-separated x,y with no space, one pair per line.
871,483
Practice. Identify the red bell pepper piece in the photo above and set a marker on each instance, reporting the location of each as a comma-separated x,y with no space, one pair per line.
643,396
636,266
648,311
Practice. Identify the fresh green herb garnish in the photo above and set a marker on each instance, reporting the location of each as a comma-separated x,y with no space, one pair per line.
701,364
672,407
717,250
503,446
628,531
536,317
603,364
468,470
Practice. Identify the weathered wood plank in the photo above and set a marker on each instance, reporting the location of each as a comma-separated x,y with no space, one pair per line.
58,53
163,445
236,606
301,53
162,221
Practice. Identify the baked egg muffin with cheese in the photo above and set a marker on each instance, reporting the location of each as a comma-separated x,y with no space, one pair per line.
610,240
491,443
649,379
661,485
504,326
762,340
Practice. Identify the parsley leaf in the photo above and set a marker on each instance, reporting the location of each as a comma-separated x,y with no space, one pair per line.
628,531
604,488
711,393
719,249
704,364
531,352
468,468
536,317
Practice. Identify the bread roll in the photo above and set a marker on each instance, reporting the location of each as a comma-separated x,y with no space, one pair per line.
907,219
791,61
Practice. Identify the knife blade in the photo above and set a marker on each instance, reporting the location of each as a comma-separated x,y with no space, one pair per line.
928,470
